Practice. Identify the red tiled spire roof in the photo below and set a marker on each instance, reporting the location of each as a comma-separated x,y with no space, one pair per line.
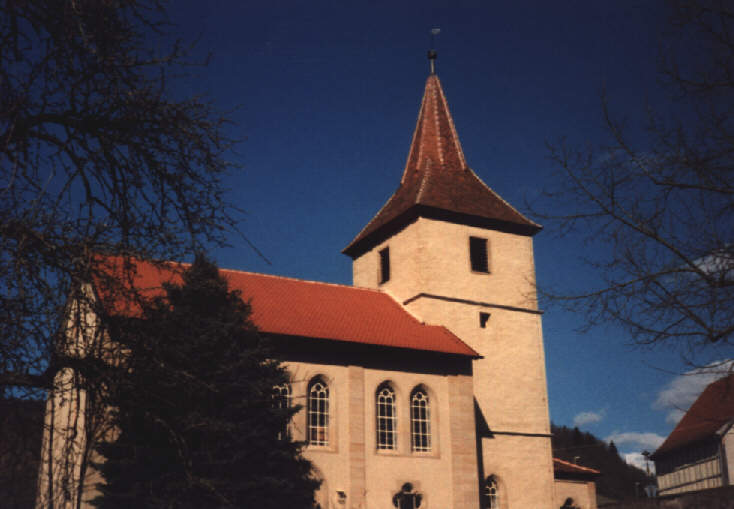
712,410
437,182
301,308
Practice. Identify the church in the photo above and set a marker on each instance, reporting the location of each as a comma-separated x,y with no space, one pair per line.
423,384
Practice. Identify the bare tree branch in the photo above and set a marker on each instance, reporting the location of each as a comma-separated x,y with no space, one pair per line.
661,204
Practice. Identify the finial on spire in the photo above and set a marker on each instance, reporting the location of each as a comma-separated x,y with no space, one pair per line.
432,55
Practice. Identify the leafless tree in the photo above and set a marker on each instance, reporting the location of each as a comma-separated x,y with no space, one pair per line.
97,156
661,203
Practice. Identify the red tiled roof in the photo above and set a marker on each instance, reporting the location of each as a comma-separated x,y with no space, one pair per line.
296,307
567,467
712,410
437,176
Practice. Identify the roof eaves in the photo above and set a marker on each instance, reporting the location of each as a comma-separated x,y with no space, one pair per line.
575,467
364,242
363,232
351,341
492,191
723,430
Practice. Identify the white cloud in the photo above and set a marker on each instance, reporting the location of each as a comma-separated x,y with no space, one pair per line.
649,441
638,460
588,417
718,263
674,415
682,391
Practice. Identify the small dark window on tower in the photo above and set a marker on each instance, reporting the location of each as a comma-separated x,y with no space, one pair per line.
384,265
478,254
483,318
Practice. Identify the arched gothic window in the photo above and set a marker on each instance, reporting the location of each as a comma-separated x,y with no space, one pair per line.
491,493
318,412
387,423
420,420
282,399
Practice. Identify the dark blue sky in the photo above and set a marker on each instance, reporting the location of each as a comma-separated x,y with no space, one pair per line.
326,95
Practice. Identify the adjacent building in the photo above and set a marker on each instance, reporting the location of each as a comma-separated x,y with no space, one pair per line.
699,453
575,485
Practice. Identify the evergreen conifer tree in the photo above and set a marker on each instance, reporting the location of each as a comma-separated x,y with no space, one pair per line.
192,404
613,448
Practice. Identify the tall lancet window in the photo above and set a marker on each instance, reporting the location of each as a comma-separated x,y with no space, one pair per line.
318,412
491,493
420,420
282,399
387,422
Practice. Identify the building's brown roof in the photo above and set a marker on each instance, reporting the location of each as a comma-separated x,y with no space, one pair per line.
437,182
567,467
712,410
305,309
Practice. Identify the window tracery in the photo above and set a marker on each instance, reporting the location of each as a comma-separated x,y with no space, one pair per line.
282,396
420,421
318,413
386,418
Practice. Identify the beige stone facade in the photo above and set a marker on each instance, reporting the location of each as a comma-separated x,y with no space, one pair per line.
431,275
359,475
65,479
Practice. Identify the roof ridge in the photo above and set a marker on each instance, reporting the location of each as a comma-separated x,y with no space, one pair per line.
374,218
311,281
418,125
424,178
452,126
456,339
502,199
254,273
437,125
576,465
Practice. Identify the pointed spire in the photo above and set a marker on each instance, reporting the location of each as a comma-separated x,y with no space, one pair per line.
438,183
434,138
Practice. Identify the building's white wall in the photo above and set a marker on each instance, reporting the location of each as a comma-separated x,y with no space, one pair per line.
583,493
70,427
694,476
351,464
63,442
432,257
728,456
332,461
369,477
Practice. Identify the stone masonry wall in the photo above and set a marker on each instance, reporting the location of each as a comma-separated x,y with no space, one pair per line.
431,274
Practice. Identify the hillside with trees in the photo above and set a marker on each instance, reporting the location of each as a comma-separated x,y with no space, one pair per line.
618,479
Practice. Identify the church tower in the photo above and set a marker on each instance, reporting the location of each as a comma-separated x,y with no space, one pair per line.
454,253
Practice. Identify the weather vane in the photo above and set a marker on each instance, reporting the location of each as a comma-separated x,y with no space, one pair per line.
432,52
